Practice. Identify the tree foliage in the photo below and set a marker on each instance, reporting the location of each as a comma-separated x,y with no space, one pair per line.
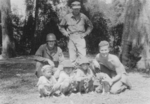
104,17
122,22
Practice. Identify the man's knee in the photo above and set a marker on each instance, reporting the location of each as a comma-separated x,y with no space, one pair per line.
115,91
38,72
117,88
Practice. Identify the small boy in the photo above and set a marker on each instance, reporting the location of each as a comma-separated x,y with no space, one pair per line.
46,81
84,76
65,81
103,86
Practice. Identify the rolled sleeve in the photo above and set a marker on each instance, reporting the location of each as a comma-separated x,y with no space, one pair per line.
62,25
39,51
89,24
63,22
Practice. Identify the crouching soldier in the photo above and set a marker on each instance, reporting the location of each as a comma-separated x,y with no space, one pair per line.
46,81
84,76
49,53
65,81
111,65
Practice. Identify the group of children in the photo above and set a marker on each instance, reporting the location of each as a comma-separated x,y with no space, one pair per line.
72,79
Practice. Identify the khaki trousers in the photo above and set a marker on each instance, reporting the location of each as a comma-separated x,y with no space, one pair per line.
77,47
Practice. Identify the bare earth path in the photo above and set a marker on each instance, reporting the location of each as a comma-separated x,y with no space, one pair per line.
18,86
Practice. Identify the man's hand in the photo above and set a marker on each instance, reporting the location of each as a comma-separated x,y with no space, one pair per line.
108,80
66,34
95,64
83,35
50,62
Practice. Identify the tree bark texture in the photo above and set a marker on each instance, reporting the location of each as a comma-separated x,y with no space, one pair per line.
136,33
8,45
33,44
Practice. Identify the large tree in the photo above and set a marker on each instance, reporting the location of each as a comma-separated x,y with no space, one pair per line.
136,33
33,44
7,32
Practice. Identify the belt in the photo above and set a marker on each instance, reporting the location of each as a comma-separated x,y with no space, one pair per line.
76,32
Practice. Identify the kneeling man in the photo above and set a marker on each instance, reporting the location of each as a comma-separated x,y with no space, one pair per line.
111,65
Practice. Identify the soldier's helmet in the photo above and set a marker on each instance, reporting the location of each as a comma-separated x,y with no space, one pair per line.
50,37
67,63
83,60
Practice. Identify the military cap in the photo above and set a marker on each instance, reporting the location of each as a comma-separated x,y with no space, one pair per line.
103,43
76,4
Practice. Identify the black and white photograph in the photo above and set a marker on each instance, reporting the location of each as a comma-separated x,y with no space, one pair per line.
74,51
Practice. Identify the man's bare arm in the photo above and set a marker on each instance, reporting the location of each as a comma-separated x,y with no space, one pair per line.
42,59
90,26
118,68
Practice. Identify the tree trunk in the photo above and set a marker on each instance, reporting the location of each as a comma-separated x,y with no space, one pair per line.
33,43
136,33
7,32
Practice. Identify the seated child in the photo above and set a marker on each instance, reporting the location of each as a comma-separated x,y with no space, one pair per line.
103,85
65,79
46,81
84,76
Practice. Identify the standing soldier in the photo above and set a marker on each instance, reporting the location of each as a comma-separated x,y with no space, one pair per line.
51,54
75,31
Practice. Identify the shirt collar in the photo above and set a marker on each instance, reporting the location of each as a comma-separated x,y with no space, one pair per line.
72,16
51,52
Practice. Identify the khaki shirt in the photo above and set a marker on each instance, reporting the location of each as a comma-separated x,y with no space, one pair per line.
56,55
74,25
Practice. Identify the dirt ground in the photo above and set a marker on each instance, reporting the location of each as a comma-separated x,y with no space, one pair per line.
18,86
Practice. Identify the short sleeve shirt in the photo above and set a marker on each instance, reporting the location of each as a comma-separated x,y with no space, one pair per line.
56,55
76,25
